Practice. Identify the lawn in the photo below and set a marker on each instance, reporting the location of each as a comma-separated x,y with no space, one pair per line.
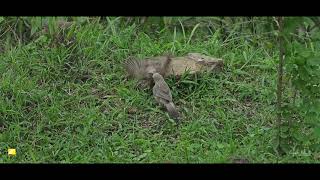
69,101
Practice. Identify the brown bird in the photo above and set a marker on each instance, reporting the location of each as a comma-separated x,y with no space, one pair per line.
162,94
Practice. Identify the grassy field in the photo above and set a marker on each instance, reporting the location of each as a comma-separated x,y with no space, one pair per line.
70,102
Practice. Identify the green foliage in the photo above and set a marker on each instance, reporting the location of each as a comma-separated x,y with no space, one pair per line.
64,96
302,63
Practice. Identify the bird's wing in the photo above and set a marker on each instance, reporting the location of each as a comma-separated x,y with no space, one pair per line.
163,92
133,67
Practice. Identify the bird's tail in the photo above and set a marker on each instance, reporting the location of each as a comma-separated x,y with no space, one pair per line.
172,110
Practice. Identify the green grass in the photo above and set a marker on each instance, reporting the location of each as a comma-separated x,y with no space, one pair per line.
71,103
